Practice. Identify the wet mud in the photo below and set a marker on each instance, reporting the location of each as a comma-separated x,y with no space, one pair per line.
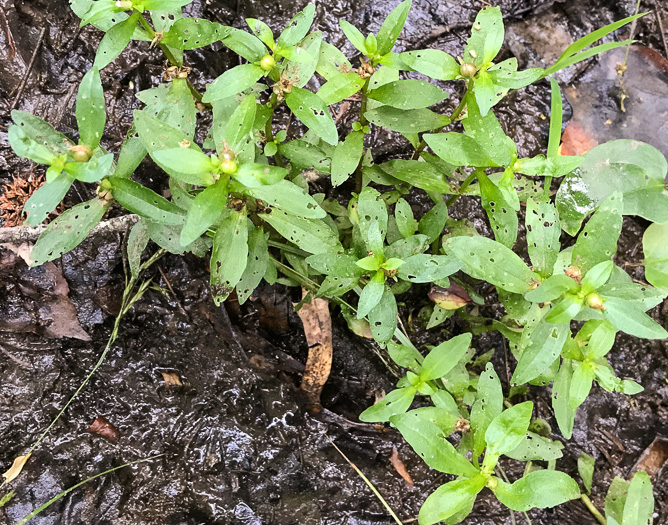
238,445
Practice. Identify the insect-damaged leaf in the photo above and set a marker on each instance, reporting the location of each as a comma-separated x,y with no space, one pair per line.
313,112
230,254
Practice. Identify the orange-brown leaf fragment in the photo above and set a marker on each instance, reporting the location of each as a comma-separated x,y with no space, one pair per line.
171,379
103,428
318,329
399,466
16,468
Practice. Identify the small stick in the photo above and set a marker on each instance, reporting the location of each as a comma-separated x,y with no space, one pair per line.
658,11
10,38
29,69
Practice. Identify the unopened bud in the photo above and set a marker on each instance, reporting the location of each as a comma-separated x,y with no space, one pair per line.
574,273
593,300
267,63
81,153
124,4
468,70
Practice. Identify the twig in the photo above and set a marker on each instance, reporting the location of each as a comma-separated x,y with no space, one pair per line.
658,11
10,38
18,234
29,69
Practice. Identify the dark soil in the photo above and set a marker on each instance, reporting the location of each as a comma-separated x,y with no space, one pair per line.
239,447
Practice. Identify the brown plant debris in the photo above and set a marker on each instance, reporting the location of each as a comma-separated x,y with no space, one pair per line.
171,379
16,468
398,464
318,329
15,196
103,428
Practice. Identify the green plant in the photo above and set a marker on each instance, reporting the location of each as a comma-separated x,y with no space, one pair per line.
244,195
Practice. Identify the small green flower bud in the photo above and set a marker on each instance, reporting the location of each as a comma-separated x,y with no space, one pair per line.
229,166
267,63
468,70
81,153
593,300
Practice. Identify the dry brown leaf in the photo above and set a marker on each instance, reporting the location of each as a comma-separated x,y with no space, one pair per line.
399,466
171,379
16,468
653,458
318,329
104,428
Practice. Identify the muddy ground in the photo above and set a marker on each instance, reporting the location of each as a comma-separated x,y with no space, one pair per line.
239,447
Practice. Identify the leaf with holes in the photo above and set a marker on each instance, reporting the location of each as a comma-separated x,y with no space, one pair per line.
425,268
298,73
233,81
193,33
240,124
336,265
131,154
391,28
304,155
428,440
332,62
68,230
487,406
408,94
297,27
259,175
536,448
371,208
244,44
90,110
289,197
413,121
115,41
598,241
204,211
420,174
313,112
434,63
483,258
136,244
547,340
92,171
312,236
46,199
488,133
502,217
433,222
486,37
168,238
258,259
371,294
543,230
639,504
40,133
262,31
383,318
173,105
396,402
406,223
145,202
230,254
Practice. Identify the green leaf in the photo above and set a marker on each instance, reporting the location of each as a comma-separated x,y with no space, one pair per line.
172,105
459,150
536,448
337,265
332,62
444,357
615,500
586,470
601,339
488,133
413,121
432,62
509,79
68,230
639,506
552,289
538,489
392,26
90,110
312,236
233,81
370,208
483,258
425,268
289,197
581,383
258,259
451,499
629,318
194,33
115,41
131,154
507,430
486,37
403,214
543,230
487,406
154,5
230,255
93,170
297,27
383,318
262,31
136,244
655,249
566,309
304,155
433,222
244,44
341,86
396,402
598,241
636,169
485,92
204,211
547,340
421,430
371,294
145,202
564,414
418,173
313,112
354,36
502,216
46,199
408,94
48,143
168,238
259,175
337,286
240,124
187,161
346,157
299,73
597,276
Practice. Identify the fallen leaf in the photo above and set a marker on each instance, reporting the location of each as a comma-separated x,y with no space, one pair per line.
399,466
103,428
16,468
576,140
653,457
450,298
171,379
318,329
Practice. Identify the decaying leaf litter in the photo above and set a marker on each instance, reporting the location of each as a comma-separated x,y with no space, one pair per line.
375,453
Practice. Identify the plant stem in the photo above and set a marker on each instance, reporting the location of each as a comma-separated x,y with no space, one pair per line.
269,132
592,508
170,56
359,177
467,182
455,114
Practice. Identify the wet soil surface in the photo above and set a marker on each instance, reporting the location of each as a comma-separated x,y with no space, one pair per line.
238,445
